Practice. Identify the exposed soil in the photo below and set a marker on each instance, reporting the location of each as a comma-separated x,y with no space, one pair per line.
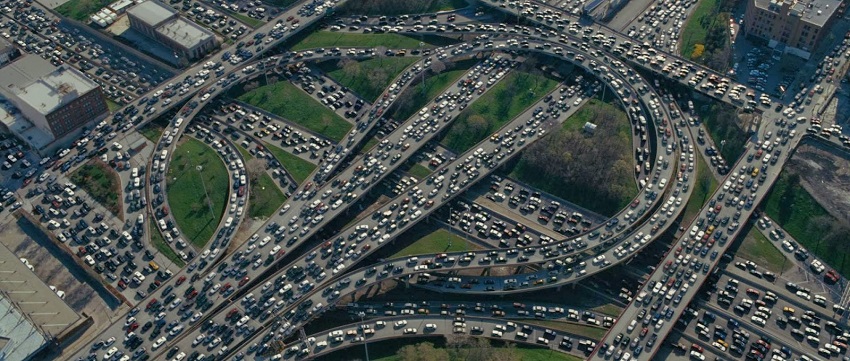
825,174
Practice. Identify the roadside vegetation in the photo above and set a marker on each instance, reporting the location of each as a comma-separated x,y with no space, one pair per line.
289,102
705,36
799,214
396,7
724,124
594,171
298,168
419,171
101,183
501,103
80,10
705,186
197,197
160,245
152,131
367,78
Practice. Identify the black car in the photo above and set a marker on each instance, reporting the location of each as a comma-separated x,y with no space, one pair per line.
147,326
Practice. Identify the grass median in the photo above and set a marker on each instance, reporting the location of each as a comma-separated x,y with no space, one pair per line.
591,332
160,245
704,187
298,168
198,187
757,248
438,241
501,103
101,183
367,78
264,196
287,101
594,171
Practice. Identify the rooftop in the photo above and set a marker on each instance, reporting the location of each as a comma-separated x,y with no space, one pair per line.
19,338
184,32
32,296
152,12
816,12
43,86
19,125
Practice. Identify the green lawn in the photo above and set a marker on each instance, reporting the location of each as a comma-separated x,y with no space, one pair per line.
197,198
528,353
694,32
101,183
704,187
330,39
798,213
436,242
367,78
160,245
399,7
286,100
264,196
609,309
254,23
112,105
299,169
368,145
599,168
152,132
594,333
502,102
757,248
80,10
419,171
523,352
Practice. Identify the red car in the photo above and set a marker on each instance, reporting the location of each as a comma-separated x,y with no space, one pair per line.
151,303
192,295
231,313
244,280
133,326
181,280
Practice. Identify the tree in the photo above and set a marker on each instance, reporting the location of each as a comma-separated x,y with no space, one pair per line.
437,66
255,168
350,67
424,351
477,124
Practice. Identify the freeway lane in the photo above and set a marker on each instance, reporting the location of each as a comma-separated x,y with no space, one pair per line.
299,203
354,334
318,308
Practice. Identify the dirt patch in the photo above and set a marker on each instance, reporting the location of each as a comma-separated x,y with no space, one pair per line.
825,174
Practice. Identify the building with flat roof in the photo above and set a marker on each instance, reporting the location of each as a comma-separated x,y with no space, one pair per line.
57,100
792,26
32,315
164,24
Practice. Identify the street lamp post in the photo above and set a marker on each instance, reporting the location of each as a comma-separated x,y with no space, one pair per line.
363,331
722,143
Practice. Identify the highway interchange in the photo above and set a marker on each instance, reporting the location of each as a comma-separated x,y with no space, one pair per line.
263,290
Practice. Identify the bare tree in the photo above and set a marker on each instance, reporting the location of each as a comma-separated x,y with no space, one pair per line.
437,66
255,168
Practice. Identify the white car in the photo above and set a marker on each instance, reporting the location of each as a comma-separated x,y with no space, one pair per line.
159,342
110,352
